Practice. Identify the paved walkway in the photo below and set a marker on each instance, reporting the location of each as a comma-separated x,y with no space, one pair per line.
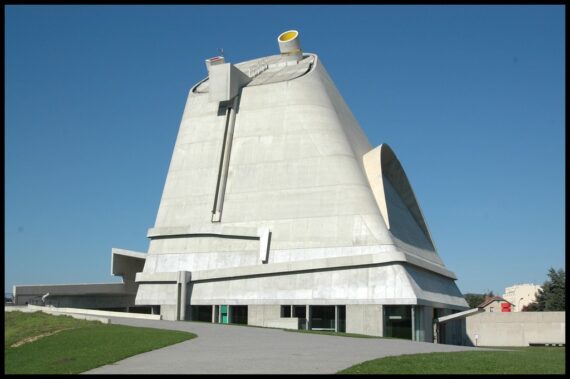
233,349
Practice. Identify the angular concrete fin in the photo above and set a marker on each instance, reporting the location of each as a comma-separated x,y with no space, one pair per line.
395,197
225,82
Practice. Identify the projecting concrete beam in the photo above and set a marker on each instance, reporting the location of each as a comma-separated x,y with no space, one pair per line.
126,263
458,316
225,82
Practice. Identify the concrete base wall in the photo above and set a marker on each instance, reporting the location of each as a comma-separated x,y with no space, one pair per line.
91,301
364,319
93,296
283,323
269,316
168,312
260,315
81,301
515,329
363,285
87,313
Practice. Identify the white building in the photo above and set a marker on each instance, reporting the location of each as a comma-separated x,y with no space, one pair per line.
521,295
277,211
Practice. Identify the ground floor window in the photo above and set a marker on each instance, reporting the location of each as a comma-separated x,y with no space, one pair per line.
300,311
419,322
238,314
439,312
322,317
398,321
341,309
201,313
286,310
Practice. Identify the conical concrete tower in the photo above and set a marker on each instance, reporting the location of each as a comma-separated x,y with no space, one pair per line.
277,211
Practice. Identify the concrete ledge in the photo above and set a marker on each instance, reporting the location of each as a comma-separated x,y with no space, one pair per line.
74,289
318,264
296,266
83,312
168,277
208,229
16,308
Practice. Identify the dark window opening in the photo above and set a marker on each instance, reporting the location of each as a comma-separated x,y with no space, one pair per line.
300,311
201,313
342,318
285,311
398,321
238,314
322,317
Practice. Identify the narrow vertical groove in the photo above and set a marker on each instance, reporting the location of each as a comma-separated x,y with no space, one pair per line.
214,207
225,161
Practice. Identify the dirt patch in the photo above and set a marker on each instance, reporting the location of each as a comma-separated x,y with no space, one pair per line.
35,338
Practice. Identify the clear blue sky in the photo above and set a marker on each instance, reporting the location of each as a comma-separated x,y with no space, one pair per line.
471,99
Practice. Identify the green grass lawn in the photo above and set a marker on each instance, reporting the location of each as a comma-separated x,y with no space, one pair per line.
528,360
77,346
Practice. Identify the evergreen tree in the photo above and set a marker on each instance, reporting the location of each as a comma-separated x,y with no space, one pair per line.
552,296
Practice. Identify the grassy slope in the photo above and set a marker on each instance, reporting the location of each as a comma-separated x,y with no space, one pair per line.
530,360
88,345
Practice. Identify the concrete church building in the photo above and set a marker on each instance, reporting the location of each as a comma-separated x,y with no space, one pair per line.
278,212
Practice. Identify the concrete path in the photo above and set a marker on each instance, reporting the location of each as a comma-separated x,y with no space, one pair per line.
233,349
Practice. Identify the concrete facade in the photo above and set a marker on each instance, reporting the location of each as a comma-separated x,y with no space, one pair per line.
516,328
364,319
274,197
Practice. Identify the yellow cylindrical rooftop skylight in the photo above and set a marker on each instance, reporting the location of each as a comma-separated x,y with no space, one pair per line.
290,45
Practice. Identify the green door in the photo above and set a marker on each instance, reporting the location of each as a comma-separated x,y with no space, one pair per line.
224,313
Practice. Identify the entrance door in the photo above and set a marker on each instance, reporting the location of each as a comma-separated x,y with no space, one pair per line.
441,335
224,314
398,321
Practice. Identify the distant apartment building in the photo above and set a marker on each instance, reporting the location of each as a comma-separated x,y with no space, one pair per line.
520,295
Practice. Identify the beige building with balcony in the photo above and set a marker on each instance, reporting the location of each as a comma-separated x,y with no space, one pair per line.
521,295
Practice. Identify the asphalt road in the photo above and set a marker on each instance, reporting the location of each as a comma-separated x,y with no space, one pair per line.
234,349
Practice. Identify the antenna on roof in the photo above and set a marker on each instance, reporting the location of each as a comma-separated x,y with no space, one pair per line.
221,49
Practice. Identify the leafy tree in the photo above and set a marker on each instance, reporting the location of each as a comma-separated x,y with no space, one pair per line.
474,299
552,296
